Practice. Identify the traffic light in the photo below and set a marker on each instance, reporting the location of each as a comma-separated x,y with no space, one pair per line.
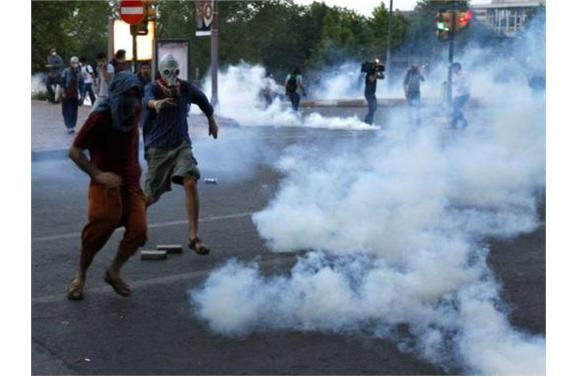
443,24
150,12
141,28
463,20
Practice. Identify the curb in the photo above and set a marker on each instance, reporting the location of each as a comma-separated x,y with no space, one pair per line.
55,154
382,102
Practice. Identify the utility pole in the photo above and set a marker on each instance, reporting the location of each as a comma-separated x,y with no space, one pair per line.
214,54
388,42
451,55
134,34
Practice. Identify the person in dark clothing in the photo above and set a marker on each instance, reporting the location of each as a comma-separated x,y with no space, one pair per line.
168,151
119,60
411,86
370,90
111,135
72,87
293,82
54,64
144,74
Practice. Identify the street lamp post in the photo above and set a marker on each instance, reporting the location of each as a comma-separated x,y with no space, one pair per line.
388,42
214,55
451,55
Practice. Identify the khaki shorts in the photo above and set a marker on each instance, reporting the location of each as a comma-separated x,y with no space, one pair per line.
166,166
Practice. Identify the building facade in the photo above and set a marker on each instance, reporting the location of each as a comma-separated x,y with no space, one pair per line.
505,16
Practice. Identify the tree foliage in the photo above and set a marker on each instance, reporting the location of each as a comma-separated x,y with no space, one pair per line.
278,34
74,28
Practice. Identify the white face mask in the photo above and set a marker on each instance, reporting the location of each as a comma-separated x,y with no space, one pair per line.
169,68
53,52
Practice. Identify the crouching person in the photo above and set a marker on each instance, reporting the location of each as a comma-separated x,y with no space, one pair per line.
111,136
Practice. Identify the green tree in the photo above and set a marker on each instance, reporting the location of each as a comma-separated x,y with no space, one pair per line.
379,28
72,27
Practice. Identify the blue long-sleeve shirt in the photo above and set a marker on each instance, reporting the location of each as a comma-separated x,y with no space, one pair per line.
68,75
169,128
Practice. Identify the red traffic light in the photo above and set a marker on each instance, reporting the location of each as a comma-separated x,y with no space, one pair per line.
464,18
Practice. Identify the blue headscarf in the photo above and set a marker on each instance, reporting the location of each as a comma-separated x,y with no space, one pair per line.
122,112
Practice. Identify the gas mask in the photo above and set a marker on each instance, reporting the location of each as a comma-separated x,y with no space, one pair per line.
169,69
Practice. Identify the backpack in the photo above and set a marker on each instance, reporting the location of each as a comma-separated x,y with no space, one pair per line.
292,84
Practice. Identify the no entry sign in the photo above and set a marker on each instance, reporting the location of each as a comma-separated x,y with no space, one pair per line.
132,11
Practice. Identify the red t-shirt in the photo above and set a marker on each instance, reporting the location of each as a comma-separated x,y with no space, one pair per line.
111,150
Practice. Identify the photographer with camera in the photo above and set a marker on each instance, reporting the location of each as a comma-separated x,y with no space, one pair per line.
374,71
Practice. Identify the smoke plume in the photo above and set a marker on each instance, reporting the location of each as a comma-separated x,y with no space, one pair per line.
240,98
397,227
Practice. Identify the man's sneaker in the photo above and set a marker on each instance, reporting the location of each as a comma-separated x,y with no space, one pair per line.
71,131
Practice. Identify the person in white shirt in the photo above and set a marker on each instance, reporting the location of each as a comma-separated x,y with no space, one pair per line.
87,74
461,95
105,73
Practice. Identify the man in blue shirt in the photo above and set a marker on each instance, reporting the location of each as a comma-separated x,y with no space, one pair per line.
72,86
167,142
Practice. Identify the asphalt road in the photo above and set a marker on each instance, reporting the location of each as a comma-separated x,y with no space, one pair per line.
154,332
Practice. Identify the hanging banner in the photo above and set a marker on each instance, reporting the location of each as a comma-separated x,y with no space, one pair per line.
204,16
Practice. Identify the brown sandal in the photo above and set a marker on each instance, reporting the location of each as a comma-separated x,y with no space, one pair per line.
118,284
75,288
202,249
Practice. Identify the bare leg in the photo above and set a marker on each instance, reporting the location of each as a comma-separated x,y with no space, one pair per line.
192,205
104,214
134,237
95,235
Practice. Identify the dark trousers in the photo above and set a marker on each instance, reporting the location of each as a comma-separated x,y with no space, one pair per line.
70,112
87,88
372,105
295,100
457,114
413,101
50,81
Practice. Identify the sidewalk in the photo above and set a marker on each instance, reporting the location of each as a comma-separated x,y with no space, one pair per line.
49,138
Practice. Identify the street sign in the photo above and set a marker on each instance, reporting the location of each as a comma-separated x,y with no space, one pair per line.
132,11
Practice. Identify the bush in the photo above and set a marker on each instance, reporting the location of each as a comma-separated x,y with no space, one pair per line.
40,96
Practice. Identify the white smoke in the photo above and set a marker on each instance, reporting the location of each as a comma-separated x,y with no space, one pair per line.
398,227
240,98
37,83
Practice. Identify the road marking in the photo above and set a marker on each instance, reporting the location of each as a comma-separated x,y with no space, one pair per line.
163,280
150,226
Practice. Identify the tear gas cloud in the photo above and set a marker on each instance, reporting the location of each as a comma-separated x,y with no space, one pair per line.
240,98
37,83
397,228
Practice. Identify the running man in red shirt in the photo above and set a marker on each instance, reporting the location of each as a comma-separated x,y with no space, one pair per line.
111,135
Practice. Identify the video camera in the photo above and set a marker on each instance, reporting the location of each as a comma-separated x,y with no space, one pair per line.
371,67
